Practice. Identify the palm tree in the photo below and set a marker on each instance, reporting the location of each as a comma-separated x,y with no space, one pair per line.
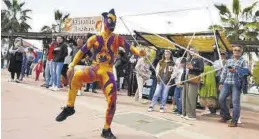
60,19
14,18
240,24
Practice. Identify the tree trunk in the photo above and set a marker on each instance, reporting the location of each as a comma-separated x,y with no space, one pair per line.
250,60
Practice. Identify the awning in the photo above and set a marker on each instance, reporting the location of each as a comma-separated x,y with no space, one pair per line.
203,41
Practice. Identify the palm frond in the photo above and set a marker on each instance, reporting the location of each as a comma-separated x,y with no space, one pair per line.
24,17
252,25
8,4
247,12
257,13
251,35
45,28
256,16
21,5
223,10
240,31
16,5
26,11
24,26
223,19
236,8
58,15
65,17
5,14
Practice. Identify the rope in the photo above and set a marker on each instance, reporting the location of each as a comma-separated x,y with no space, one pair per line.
186,49
175,44
139,44
196,77
172,11
184,53
214,32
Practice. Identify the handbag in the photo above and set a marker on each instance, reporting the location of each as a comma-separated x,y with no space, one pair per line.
194,79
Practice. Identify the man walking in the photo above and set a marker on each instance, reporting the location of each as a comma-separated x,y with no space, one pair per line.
231,82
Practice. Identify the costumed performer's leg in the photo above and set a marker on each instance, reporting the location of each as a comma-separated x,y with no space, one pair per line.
85,75
109,88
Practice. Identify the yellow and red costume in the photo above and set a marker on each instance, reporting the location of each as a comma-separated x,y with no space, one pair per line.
106,45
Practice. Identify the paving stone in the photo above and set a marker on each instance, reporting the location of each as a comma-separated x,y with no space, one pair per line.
146,123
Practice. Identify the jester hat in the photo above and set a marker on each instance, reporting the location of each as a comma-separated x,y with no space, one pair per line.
108,19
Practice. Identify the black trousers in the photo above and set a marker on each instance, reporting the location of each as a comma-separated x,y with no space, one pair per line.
93,87
17,74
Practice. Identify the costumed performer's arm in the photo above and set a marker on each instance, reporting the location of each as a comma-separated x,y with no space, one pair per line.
90,42
131,48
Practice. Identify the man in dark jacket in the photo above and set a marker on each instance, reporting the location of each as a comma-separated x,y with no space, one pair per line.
60,52
190,91
120,65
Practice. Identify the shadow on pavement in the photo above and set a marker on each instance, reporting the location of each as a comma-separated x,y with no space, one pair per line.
253,126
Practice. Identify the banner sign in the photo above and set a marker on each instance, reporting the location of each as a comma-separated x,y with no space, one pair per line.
80,25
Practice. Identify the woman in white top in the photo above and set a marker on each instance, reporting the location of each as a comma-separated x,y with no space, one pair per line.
143,74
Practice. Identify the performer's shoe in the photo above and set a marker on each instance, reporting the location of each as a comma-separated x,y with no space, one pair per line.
107,134
67,111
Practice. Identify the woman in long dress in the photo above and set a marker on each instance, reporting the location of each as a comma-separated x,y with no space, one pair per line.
16,59
208,90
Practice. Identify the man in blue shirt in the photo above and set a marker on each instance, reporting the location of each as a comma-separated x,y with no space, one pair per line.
231,82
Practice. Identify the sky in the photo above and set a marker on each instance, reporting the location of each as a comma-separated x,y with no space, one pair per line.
181,21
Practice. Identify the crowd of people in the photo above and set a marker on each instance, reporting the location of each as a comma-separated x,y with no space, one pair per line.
21,62
189,79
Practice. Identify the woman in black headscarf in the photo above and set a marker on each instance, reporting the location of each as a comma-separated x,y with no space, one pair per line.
16,57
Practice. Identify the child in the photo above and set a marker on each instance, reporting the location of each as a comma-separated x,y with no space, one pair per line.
38,69
179,74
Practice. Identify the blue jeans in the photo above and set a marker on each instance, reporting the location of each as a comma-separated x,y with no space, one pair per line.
178,98
23,71
28,68
160,88
228,88
57,68
2,63
153,89
49,73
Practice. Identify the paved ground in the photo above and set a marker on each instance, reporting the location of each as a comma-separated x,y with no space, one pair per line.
29,111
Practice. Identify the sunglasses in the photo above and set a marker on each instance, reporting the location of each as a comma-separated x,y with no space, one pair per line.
237,50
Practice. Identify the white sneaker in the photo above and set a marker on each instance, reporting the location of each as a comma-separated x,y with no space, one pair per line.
162,110
143,101
188,118
55,89
239,121
182,116
79,93
205,112
11,80
52,87
150,109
